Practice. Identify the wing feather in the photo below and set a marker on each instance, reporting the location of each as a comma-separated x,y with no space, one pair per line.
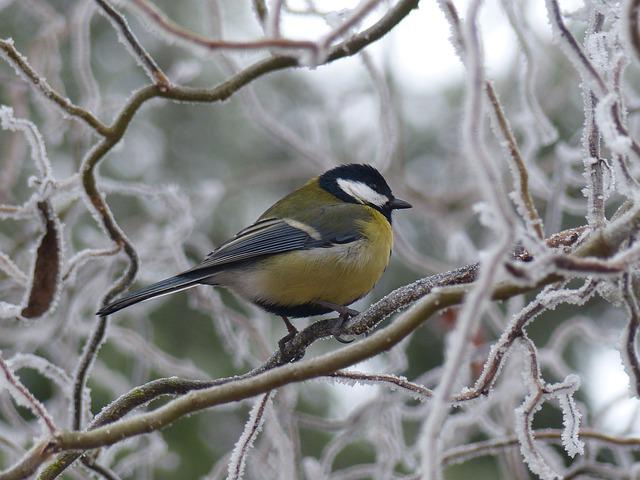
269,236
275,236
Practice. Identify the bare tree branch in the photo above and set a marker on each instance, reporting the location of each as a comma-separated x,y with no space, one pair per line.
151,67
19,63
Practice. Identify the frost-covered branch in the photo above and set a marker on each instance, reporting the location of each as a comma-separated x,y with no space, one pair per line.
504,229
633,25
523,197
245,442
24,70
470,451
169,27
317,50
609,119
24,397
400,383
150,66
629,347
540,391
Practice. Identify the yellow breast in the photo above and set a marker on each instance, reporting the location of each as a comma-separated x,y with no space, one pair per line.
340,274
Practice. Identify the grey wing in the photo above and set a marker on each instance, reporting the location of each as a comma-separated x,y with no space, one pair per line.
266,237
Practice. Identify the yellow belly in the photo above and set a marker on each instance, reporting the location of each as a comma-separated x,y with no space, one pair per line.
340,274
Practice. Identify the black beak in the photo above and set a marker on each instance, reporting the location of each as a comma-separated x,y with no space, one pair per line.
397,204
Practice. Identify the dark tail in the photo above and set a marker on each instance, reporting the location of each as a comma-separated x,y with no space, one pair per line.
169,285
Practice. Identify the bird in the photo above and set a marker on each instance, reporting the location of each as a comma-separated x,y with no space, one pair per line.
317,250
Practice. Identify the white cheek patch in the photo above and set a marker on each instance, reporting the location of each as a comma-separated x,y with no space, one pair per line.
362,192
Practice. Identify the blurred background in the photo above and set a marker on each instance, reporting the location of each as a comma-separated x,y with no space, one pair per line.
186,177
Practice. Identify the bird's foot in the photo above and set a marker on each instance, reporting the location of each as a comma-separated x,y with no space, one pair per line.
345,313
338,336
282,343
337,331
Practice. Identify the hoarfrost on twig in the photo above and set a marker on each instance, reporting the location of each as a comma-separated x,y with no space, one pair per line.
238,460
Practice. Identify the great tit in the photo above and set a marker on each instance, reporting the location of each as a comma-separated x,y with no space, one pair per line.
317,250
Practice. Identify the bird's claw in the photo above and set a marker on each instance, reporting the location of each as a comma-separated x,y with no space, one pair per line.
345,315
282,343
350,312
338,337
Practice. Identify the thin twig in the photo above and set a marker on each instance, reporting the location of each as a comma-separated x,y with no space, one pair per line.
525,196
575,52
101,470
377,378
633,17
245,442
18,61
151,67
166,24
524,193
24,397
358,14
470,451
630,337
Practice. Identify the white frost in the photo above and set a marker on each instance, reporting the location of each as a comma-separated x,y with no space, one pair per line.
252,428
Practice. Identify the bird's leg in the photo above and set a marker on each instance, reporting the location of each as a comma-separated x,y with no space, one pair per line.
345,313
292,333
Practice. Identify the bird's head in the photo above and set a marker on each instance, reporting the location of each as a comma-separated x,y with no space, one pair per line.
363,184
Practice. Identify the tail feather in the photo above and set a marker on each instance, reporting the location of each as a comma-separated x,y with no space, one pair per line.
163,287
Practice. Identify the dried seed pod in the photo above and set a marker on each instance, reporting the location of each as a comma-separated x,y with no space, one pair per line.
45,283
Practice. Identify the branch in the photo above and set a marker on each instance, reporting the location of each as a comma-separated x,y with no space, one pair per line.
101,470
633,28
24,70
526,199
238,459
629,347
25,398
573,49
470,451
317,49
503,230
525,202
154,14
150,66
589,73
419,392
